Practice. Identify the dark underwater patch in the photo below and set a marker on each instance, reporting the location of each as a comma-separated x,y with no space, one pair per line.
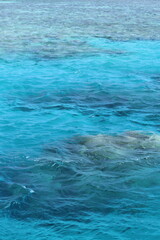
75,175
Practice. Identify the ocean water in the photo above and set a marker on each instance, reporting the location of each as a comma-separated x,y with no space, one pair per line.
80,120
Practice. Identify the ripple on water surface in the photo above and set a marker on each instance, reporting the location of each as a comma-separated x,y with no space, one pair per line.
79,152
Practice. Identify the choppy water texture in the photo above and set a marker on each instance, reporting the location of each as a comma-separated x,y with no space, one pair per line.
80,125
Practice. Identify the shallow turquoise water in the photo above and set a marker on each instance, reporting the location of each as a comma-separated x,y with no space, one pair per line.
62,84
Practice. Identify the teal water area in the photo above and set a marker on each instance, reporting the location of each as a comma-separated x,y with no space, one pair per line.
79,125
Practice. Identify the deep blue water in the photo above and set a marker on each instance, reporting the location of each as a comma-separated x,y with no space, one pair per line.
80,120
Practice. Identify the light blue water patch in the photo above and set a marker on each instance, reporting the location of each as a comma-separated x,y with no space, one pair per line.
80,95
68,171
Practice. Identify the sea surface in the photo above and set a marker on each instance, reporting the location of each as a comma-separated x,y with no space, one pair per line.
79,120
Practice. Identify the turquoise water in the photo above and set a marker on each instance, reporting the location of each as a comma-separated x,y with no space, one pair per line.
79,126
